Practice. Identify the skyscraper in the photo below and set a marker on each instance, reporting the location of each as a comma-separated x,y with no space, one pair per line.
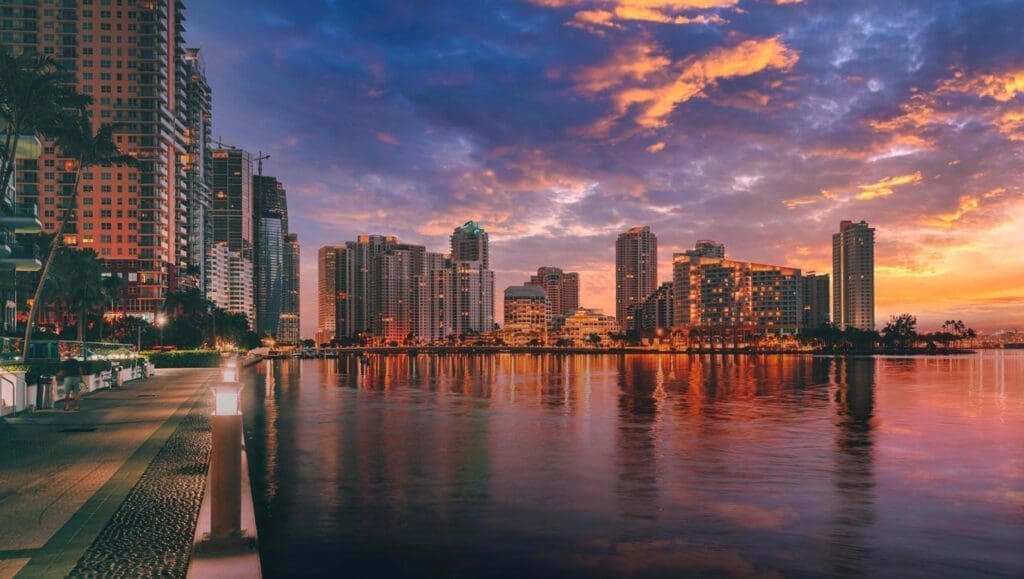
853,269
231,206
561,290
288,330
473,280
815,293
270,217
469,243
229,281
131,60
636,271
196,162
328,259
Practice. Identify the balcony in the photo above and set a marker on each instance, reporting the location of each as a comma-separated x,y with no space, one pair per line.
21,218
23,258
6,241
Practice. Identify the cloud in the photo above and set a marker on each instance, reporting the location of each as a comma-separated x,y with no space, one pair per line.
884,188
658,92
656,147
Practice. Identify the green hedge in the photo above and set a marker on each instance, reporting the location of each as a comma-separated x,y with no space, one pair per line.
185,359
36,368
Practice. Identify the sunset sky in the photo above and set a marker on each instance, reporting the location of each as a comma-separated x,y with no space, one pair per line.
557,124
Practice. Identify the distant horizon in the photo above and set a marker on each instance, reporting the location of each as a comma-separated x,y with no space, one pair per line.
758,124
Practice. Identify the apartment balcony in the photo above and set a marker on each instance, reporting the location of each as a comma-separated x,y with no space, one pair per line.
6,243
23,258
21,218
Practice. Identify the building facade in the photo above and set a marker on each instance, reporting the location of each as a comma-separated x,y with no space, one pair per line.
718,293
636,271
526,314
853,268
584,322
329,257
229,281
196,162
656,314
816,300
561,290
268,271
396,292
290,326
469,242
131,60
231,215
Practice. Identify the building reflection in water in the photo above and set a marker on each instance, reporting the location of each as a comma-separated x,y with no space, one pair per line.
636,458
851,539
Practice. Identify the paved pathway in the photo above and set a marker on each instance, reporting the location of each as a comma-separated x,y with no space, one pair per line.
64,475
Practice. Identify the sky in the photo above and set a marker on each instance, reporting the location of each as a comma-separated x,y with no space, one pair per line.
557,124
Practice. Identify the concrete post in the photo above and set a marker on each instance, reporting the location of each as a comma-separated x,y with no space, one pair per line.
226,477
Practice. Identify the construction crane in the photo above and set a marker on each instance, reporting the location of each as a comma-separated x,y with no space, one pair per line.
260,157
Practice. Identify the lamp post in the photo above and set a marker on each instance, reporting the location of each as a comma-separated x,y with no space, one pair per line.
226,459
160,321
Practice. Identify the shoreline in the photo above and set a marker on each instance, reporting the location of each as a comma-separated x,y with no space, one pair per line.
442,350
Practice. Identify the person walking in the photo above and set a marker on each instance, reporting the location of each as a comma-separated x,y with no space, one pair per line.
71,371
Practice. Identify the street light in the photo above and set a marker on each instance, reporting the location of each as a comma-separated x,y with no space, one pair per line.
160,321
226,460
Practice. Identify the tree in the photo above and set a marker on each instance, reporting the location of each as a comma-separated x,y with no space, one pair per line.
35,97
75,139
900,332
594,340
112,287
77,283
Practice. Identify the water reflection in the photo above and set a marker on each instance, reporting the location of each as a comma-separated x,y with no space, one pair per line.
595,466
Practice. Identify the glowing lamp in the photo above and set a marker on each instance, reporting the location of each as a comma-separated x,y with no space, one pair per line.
230,371
226,399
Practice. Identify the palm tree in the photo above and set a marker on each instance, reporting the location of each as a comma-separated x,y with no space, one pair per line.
112,286
76,140
35,97
77,284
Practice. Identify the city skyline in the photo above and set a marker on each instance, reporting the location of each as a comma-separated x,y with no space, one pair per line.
766,158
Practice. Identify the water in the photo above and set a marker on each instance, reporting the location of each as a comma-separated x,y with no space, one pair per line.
643,466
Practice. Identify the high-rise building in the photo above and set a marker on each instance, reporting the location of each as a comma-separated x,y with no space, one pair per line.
707,248
561,290
816,302
718,293
526,313
636,271
229,281
474,298
231,205
131,60
196,162
853,269
656,312
289,328
469,243
329,257
270,216
268,268
394,291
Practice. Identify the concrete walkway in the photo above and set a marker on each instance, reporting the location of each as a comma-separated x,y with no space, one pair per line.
63,475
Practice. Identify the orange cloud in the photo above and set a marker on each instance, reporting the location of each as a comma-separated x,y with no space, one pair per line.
633,62
387,138
1011,124
824,195
597,15
658,98
1001,86
656,147
884,188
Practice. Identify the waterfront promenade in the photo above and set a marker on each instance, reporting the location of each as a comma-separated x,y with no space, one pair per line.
135,457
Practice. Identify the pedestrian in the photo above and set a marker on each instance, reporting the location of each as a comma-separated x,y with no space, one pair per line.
71,371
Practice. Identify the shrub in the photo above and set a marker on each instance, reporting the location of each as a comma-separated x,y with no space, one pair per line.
36,368
185,359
